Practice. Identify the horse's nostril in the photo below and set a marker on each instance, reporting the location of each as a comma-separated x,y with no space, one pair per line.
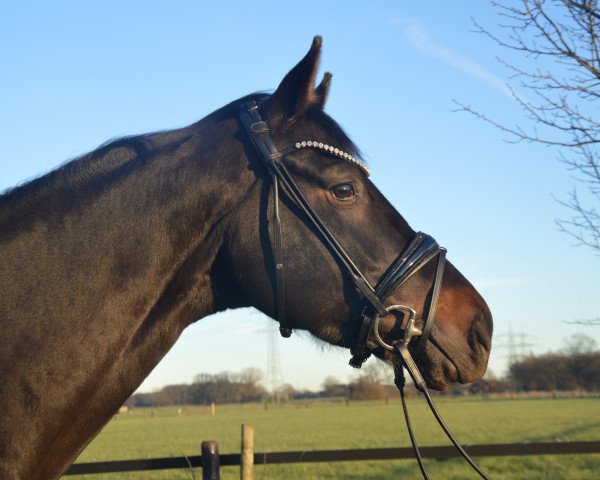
482,328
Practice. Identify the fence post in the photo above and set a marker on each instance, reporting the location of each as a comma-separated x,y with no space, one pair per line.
247,463
210,460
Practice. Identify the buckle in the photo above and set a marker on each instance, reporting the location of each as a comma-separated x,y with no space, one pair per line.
259,127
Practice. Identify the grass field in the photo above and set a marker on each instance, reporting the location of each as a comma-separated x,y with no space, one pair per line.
146,433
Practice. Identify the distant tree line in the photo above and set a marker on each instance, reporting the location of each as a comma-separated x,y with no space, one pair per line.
224,387
373,382
575,367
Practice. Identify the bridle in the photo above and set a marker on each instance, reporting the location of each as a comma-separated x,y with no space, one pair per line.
419,252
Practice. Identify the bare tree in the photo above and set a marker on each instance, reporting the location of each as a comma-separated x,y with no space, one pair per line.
579,343
559,43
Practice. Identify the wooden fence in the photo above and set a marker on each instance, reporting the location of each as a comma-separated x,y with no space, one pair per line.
210,460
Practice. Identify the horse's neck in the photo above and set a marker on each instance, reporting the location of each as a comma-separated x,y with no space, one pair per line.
94,300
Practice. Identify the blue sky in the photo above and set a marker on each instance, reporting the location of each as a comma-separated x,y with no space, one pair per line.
74,74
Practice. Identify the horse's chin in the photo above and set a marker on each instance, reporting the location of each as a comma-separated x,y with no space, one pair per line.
437,370
442,365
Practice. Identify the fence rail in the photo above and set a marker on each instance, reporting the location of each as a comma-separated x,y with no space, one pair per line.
269,458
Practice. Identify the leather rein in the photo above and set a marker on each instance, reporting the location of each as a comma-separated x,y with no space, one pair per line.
419,252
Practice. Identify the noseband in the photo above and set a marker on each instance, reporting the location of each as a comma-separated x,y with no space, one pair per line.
418,253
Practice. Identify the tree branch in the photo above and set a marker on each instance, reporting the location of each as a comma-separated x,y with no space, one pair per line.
561,36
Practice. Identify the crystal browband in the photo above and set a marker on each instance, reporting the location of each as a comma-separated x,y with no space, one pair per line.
334,151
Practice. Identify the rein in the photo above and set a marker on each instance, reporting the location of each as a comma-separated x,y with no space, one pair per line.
419,252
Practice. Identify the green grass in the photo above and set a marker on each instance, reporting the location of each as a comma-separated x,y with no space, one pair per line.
146,433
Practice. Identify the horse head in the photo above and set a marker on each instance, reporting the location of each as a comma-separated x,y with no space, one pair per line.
320,296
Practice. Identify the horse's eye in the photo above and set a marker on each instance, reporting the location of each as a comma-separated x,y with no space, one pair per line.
343,191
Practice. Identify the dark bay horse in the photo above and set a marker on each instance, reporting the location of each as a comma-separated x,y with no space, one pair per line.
106,260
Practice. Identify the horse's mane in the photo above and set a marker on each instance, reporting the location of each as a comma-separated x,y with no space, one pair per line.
110,161
116,158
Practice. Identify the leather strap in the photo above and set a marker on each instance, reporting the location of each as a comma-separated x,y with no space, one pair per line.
258,131
278,257
413,371
360,352
420,250
435,294
411,366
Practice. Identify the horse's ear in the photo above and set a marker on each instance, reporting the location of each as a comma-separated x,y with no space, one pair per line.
297,90
322,91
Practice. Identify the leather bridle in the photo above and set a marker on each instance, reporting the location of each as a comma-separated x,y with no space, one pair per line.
419,252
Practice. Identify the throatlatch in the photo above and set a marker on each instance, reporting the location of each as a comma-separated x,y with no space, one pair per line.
418,253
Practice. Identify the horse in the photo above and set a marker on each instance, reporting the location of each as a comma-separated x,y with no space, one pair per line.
107,259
